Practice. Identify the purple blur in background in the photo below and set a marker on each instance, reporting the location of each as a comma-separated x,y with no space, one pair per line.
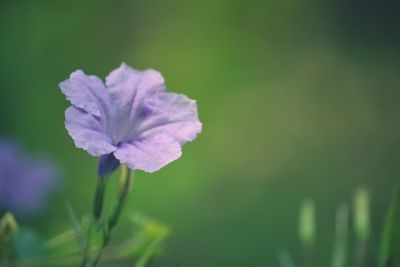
130,116
26,181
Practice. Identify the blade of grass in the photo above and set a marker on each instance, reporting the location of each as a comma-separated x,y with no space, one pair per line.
307,232
340,248
390,243
361,225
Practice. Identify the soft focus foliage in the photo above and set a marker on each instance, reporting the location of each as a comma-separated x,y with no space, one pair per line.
349,248
26,181
137,248
361,207
307,224
298,98
390,243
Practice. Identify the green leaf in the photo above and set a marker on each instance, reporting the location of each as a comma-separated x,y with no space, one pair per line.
76,226
151,236
152,249
96,233
143,243
390,242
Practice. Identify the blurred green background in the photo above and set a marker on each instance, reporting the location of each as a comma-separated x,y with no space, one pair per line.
298,99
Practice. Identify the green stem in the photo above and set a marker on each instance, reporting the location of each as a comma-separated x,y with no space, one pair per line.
125,185
97,211
99,198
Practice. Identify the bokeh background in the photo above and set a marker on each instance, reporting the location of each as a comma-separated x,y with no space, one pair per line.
298,99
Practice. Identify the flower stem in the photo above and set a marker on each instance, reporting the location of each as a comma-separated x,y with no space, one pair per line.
106,227
125,182
99,198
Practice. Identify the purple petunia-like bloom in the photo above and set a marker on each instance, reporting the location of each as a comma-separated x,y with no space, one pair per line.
129,119
26,182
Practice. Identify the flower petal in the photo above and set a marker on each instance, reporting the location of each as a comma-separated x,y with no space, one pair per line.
127,88
87,132
149,154
171,114
86,92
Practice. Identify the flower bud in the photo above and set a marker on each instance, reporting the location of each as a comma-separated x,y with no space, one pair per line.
107,165
8,227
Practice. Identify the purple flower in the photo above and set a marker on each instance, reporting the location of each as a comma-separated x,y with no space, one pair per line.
130,119
26,182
